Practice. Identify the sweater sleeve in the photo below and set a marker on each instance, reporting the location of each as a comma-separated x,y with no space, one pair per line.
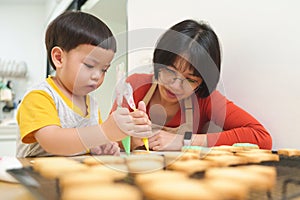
238,125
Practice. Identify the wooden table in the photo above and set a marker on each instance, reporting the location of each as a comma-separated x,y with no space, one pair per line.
15,191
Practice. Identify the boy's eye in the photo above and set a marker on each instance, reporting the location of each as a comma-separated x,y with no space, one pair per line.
88,65
104,70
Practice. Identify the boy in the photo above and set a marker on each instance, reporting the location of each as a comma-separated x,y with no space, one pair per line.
58,117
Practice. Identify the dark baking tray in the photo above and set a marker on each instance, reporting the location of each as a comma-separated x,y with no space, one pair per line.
288,178
40,187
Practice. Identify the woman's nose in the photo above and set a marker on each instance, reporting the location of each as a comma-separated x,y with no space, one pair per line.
177,84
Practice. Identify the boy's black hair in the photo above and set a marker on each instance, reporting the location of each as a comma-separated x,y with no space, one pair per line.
199,45
73,28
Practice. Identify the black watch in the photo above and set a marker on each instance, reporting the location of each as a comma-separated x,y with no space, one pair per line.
187,139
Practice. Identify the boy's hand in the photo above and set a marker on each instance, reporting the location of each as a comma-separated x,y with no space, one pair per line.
136,123
122,123
111,148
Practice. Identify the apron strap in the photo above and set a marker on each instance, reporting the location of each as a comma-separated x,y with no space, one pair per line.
150,93
188,106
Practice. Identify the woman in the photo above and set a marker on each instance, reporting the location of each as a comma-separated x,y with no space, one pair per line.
181,96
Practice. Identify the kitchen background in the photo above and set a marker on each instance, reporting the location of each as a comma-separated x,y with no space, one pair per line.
260,46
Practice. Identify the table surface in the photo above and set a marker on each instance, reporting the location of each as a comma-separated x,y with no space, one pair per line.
16,191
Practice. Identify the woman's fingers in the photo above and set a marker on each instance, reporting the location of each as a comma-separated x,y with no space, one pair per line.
142,106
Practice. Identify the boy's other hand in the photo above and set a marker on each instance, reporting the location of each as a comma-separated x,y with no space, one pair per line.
111,148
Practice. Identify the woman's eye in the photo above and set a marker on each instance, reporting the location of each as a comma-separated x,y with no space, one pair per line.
191,80
88,65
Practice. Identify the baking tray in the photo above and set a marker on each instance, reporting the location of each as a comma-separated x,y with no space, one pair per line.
287,185
40,187
288,178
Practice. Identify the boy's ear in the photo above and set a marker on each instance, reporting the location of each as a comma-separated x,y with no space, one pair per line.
57,56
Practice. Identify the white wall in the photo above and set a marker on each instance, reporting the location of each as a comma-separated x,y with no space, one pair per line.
260,44
22,26
22,39
103,9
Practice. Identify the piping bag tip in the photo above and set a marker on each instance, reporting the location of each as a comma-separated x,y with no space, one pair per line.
146,143
126,144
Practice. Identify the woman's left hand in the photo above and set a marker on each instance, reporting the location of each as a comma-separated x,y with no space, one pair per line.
163,140
107,149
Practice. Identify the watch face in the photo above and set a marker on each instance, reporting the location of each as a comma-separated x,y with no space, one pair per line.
187,135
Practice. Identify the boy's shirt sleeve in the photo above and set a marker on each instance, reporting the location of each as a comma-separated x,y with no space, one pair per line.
36,110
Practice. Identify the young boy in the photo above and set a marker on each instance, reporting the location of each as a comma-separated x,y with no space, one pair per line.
57,116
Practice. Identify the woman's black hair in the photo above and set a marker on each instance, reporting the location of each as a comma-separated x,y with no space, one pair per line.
73,28
199,45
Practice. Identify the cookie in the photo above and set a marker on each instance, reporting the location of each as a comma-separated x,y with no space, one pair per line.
189,156
86,178
54,167
141,152
226,148
144,163
228,189
253,180
268,172
194,149
171,157
190,166
215,152
103,191
246,146
115,171
289,152
146,179
205,151
37,163
258,157
103,160
255,151
190,189
55,171
226,160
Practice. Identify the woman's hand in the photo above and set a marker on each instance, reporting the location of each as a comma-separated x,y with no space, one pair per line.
163,140
111,148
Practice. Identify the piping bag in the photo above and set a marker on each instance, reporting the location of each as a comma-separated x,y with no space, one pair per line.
129,97
124,89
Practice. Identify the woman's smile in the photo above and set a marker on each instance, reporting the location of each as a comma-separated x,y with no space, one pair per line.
171,95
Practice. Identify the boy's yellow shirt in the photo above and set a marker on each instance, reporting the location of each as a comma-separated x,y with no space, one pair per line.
38,109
